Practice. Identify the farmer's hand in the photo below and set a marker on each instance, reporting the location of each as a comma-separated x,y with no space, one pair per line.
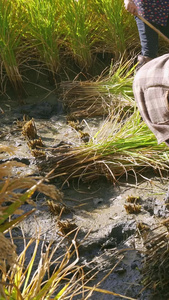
131,7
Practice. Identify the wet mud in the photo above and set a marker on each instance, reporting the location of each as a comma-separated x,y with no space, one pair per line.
110,237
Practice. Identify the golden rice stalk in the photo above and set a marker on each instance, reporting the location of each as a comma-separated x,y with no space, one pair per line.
7,253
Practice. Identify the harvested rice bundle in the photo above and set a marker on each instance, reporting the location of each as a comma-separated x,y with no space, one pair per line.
129,146
102,96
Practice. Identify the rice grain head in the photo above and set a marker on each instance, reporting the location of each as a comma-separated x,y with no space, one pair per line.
7,253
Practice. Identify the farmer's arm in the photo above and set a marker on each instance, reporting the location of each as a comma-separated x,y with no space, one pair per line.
131,7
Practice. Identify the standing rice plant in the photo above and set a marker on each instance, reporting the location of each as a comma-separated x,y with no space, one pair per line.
116,28
44,31
11,30
79,31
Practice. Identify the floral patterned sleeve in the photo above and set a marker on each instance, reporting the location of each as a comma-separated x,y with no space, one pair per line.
155,11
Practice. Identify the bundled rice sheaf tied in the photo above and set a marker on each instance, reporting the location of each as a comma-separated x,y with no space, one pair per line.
156,266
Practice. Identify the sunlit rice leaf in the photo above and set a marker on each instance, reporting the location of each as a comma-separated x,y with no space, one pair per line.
61,292
14,206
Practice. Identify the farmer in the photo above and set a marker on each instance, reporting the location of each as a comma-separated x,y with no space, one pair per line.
156,13
151,91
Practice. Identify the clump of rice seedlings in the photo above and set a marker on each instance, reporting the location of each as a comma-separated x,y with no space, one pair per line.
156,262
66,227
132,206
11,45
116,149
102,96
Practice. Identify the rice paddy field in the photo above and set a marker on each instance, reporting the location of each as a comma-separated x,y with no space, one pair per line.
60,35
87,51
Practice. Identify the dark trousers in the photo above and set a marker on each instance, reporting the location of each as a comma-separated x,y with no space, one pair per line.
149,38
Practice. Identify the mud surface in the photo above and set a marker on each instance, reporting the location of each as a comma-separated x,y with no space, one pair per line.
97,208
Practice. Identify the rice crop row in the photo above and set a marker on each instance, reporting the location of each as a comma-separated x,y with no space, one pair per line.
52,32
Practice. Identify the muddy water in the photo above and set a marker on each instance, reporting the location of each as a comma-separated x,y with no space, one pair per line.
98,207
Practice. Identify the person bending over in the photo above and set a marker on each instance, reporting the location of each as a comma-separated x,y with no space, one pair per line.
151,92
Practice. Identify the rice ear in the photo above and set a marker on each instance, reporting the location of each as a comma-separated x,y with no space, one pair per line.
7,253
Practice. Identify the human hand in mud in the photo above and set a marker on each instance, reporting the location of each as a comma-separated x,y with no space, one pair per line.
131,7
